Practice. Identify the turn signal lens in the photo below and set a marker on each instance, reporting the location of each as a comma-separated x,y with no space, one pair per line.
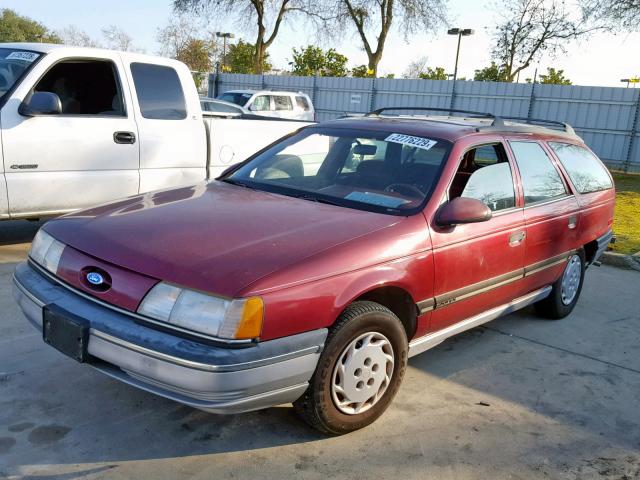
244,319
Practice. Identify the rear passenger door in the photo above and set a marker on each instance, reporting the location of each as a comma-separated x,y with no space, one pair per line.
479,266
551,213
173,145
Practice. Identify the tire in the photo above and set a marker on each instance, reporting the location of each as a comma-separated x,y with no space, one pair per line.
326,405
561,301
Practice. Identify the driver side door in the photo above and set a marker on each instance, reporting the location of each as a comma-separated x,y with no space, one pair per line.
479,266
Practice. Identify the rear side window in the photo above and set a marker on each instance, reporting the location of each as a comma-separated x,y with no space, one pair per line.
540,179
302,103
587,173
159,92
282,102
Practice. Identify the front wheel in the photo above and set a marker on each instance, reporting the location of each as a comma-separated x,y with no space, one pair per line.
566,290
359,371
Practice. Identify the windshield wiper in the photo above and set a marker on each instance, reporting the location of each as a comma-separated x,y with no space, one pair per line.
314,198
236,182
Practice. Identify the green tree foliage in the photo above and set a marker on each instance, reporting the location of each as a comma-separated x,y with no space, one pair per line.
312,60
362,71
16,28
555,77
240,59
492,73
196,53
437,73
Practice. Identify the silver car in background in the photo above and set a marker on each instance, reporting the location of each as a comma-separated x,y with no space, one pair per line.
269,103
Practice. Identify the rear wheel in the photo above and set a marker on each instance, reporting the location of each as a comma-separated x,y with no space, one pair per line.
359,371
566,290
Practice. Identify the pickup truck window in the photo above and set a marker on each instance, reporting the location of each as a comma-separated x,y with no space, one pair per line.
13,65
585,170
159,92
367,170
540,178
85,87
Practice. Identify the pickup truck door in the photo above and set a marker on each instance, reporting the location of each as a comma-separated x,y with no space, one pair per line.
86,155
173,139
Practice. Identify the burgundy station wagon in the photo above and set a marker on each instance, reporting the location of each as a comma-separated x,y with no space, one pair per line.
311,272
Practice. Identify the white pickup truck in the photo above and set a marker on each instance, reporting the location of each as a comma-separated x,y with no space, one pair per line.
81,126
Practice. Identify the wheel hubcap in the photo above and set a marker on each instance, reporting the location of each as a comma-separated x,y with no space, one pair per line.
571,279
362,373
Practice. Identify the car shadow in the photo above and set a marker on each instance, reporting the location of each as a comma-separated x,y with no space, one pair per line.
14,232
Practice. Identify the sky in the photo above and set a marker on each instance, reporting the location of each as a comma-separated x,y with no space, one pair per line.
602,59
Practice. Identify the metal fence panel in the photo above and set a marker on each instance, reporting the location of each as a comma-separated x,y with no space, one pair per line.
606,118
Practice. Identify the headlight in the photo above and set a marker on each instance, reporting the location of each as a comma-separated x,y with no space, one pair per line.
46,251
214,316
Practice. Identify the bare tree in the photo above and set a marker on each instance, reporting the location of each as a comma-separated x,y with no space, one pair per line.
174,37
375,18
263,17
613,14
416,67
73,35
117,39
530,28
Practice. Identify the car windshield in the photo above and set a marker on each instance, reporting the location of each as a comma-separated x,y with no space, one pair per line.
13,65
235,97
387,172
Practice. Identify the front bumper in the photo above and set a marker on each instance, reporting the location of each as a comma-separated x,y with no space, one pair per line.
211,378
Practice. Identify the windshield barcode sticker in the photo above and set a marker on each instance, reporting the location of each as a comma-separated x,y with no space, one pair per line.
26,56
419,142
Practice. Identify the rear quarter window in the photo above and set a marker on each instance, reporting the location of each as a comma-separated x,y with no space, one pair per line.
159,92
586,171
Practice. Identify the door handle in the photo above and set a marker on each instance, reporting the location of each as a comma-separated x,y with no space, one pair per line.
516,238
124,137
573,222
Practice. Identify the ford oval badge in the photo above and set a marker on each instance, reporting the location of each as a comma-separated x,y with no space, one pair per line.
94,278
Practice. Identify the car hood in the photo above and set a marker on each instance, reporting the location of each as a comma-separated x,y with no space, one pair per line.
213,237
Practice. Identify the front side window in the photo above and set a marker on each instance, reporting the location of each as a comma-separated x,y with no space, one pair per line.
540,178
484,174
586,171
261,104
368,170
159,92
85,87
14,64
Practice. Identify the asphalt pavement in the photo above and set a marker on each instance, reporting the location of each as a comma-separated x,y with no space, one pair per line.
519,398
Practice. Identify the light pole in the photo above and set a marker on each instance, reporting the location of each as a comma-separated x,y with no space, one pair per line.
224,36
460,32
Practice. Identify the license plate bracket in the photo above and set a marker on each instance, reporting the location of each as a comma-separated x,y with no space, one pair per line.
65,332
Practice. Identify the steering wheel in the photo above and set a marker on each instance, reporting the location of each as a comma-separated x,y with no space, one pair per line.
405,189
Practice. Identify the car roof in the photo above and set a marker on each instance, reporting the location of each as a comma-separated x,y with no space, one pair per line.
449,128
276,92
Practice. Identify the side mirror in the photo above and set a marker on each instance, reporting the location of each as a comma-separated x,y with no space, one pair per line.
41,103
462,210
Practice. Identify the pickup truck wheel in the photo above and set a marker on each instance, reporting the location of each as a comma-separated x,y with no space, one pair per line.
566,290
359,371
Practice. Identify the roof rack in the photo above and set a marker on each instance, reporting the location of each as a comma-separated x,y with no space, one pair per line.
498,122
375,113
